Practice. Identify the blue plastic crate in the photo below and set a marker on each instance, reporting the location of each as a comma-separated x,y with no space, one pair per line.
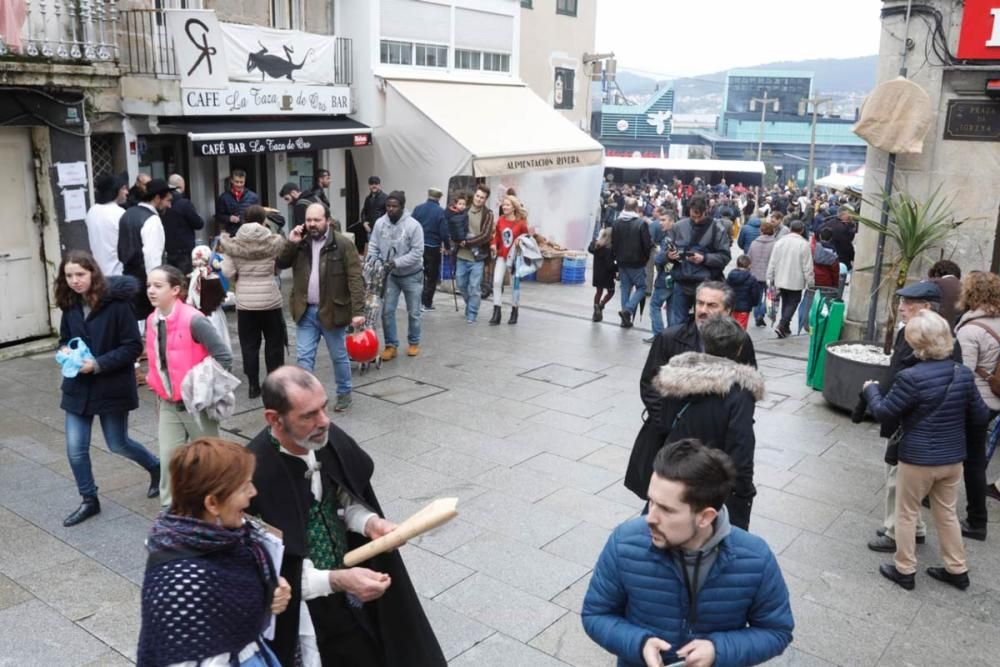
574,269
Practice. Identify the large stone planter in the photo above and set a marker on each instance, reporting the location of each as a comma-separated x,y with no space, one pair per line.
844,377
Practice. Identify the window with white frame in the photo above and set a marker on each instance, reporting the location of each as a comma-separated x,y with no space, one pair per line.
466,59
486,61
496,62
566,7
431,55
396,53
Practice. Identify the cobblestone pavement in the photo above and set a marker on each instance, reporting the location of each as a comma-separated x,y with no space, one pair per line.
531,427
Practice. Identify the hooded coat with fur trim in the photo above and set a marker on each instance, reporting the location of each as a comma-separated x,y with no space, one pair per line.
249,259
712,399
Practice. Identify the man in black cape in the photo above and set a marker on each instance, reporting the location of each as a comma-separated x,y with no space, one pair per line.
314,484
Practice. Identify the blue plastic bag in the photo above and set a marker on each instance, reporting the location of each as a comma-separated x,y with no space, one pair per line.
73,360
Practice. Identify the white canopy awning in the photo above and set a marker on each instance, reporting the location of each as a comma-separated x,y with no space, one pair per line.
676,164
502,129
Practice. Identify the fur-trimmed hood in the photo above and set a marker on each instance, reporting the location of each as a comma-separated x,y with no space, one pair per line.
252,241
695,373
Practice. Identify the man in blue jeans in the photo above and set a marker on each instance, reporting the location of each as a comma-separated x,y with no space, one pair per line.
398,240
473,251
631,243
328,294
663,282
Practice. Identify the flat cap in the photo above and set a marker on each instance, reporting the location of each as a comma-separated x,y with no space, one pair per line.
922,291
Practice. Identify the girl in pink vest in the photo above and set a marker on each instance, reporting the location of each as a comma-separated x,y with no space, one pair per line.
178,338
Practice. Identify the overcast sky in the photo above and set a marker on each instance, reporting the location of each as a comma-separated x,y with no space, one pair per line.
689,37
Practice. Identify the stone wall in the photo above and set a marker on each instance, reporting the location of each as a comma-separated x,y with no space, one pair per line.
966,171
253,12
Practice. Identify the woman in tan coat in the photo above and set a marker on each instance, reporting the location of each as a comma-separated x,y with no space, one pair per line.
249,260
977,331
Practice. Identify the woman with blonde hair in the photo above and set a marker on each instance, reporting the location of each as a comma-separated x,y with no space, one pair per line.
510,227
934,401
977,332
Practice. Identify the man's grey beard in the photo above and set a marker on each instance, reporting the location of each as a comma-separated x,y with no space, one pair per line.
307,442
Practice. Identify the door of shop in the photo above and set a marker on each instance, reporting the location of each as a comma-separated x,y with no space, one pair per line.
23,300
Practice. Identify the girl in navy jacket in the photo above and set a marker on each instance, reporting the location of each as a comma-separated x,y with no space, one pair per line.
98,310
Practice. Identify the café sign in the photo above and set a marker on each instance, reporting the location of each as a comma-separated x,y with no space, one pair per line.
248,99
278,142
979,38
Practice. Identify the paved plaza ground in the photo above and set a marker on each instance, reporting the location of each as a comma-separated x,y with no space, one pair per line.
531,427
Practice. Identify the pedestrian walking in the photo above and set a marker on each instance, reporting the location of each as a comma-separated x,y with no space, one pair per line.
935,401
372,209
662,279
605,272
474,251
104,221
790,270
210,588
328,295
701,253
511,226
178,338
98,311
632,243
760,256
249,262
180,222
437,242
291,193
746,290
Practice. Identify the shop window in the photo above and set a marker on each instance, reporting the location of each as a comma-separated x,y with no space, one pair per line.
396,53
526,4
431,55
465,59
567,7
496,62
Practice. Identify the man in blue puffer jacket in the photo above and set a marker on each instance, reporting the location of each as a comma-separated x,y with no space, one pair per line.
681,583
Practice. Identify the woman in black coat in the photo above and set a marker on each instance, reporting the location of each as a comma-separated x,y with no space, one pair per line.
605,271
99,312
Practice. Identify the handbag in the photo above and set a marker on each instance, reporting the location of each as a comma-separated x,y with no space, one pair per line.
892,447
992,379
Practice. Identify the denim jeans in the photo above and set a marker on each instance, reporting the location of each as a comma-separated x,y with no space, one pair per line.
114,425
679,309
656,303
412,287
632,278
468,278
761,308
307,334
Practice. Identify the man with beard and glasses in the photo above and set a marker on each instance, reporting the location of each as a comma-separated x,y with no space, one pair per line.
313,484
682,583
328,294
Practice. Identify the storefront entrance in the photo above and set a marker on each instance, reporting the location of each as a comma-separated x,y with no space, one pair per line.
258,177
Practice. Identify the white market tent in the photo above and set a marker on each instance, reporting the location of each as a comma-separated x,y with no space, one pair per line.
677,164
850,181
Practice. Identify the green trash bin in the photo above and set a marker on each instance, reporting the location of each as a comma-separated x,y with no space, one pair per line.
826,320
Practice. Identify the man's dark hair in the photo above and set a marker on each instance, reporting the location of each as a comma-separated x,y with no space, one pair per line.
698,204
238,173
320,173
944,267
797,227
708,474
274,391
482,187
722,337
825,234
289,188
727,291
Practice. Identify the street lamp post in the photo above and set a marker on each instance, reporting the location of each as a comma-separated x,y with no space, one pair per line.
765,102
803,106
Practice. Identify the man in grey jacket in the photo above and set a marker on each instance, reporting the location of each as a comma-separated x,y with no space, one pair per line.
398,240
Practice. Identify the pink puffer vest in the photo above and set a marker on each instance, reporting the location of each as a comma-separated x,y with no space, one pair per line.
183,352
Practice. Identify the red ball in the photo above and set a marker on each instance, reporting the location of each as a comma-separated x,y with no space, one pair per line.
362,346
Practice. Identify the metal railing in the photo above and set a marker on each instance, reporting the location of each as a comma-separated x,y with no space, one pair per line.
343,62
146,47
82,30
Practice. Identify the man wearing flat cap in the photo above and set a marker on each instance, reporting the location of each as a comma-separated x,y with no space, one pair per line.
398,240
430,215
912,299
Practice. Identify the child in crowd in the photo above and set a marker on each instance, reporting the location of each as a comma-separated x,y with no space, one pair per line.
605,271
746,290
458,218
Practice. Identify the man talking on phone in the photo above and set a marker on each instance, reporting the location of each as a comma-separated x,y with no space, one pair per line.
681,585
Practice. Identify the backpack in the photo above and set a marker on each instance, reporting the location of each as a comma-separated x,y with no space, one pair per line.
992,379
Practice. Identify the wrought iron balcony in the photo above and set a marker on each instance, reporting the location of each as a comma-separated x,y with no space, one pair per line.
63,30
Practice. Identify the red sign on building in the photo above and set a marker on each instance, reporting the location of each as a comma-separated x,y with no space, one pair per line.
980,36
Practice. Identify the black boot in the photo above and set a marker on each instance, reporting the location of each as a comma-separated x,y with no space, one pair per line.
154,482
254,390
598,313
496,315
513,316
90,506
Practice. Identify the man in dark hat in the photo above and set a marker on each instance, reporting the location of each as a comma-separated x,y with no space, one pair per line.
430,215
372,209
912,299
398,240
102,222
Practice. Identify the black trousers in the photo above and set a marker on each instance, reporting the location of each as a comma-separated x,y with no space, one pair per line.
432,271
251,324
341,638
789,303
974,473
181,259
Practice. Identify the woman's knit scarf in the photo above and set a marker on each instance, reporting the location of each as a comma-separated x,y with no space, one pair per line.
175,533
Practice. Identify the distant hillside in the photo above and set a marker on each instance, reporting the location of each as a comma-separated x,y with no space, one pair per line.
853,78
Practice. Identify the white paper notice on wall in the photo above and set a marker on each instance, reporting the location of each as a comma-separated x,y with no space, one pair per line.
71,173
75,204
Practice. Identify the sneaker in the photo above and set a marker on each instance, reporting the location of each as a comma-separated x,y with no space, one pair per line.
413,350
959,581
389,353
427,308
649,340
343,403
889,571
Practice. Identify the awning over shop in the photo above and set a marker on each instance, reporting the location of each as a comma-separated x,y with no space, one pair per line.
492,130
234,136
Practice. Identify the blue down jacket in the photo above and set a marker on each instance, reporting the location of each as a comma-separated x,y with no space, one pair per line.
637,591
934,425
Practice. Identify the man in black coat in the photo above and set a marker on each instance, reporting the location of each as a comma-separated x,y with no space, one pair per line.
180,222
372,209
632,244
844,230
313,483
711,299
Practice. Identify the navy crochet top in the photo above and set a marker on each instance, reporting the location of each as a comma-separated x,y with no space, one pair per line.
201,606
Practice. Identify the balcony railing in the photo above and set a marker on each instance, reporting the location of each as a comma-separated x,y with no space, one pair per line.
80,30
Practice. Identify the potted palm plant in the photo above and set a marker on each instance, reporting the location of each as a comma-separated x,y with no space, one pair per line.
914,227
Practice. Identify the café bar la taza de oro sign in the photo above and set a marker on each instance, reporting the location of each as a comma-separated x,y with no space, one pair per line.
228,69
